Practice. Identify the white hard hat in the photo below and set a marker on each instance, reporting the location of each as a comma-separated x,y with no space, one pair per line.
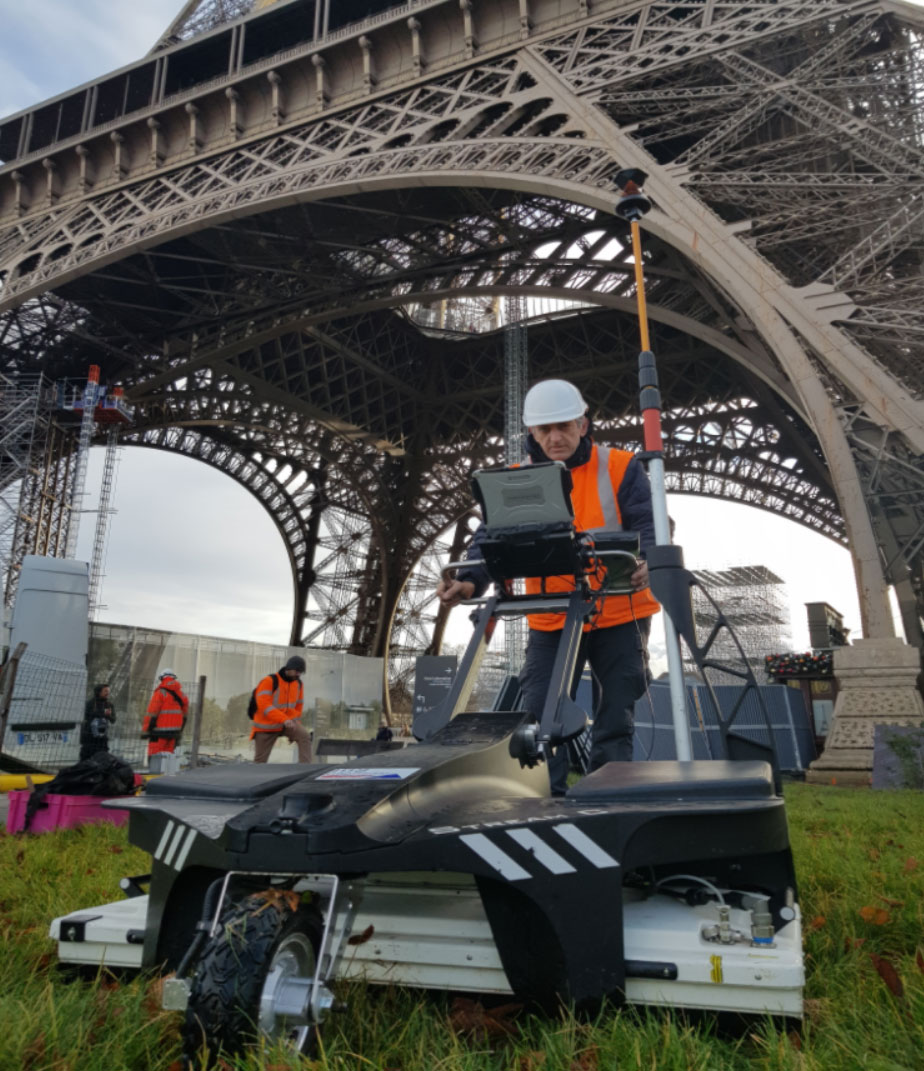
552,401
166,673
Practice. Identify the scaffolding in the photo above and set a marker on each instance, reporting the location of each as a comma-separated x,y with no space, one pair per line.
45,435
36,477
104,513
515,374
19,421
87,408
460,316
753,601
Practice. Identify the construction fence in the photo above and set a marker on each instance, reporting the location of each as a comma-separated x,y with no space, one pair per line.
343,695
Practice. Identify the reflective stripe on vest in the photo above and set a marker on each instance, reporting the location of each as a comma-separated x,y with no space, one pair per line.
606,493
167,715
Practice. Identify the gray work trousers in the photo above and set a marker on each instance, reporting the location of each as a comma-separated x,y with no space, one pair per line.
618,665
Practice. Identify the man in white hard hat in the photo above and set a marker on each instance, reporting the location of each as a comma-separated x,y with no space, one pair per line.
610,491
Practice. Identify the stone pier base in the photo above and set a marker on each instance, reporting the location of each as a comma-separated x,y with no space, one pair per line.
877,682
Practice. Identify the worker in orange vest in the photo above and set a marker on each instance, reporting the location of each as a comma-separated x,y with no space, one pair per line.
279,700
610,492
166,716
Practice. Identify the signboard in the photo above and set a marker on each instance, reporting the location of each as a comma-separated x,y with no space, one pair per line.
368,773
432,681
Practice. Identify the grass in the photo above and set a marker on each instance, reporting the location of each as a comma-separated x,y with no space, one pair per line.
860,861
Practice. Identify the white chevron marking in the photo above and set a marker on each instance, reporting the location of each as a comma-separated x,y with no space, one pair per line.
165,836
507,868
174,844
583,844
549,858
184,851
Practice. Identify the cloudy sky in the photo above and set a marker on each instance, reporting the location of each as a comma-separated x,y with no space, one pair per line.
189,549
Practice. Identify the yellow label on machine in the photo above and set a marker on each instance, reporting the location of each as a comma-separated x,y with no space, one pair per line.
716,973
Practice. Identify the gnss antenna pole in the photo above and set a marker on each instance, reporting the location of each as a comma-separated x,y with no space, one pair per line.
631,207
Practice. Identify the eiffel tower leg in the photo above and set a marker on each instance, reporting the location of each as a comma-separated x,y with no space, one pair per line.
687,224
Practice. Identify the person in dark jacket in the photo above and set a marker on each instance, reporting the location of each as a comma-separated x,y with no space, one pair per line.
98,716
280,698
610,491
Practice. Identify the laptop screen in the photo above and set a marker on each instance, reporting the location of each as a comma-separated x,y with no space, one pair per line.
531,494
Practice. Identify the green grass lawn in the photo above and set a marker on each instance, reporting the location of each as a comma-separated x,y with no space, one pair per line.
859,858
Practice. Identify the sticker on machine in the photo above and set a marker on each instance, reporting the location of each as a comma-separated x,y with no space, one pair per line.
369,773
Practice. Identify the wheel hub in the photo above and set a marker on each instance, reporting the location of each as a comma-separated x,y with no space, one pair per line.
286,997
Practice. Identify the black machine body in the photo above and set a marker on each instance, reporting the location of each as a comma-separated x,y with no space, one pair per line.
648,881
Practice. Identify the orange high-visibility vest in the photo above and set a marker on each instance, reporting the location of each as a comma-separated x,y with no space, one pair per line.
166,712
595,505
276,706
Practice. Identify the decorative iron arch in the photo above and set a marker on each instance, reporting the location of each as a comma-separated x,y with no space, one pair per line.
541,124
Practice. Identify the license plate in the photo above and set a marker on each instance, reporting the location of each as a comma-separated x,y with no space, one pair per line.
45,736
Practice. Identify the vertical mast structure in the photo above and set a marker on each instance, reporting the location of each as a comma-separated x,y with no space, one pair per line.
90,394
515,375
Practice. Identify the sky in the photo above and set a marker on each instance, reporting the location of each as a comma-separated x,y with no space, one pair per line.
189,550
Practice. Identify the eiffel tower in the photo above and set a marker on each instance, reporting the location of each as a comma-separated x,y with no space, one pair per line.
288,232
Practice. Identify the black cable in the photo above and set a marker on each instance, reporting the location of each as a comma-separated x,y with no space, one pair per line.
202,927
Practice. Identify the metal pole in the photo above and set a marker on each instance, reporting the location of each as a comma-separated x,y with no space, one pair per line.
8,673
197,725
631,207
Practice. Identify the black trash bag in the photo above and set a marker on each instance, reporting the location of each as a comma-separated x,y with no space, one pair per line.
101,774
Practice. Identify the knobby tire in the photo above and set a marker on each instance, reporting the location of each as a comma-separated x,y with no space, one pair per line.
223,1009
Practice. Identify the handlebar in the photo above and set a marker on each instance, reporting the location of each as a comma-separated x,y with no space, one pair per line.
601,555
444,572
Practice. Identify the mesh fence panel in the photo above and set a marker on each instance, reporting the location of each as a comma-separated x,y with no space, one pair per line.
342,694
46,710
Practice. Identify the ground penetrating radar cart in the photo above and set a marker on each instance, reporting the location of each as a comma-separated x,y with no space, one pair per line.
651,882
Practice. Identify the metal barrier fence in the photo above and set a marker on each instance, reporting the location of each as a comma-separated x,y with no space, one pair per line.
789,723
342,695
45,711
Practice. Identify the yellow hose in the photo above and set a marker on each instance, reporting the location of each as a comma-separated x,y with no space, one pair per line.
10,782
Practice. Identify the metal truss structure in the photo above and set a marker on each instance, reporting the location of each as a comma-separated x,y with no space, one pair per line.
22,433
37,476
277,229
752,600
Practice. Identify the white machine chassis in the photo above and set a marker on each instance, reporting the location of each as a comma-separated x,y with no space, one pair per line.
429,930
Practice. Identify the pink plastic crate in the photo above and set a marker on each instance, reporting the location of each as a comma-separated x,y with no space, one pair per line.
62,812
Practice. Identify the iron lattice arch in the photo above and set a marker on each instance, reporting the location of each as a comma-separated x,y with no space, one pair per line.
292,272
745,444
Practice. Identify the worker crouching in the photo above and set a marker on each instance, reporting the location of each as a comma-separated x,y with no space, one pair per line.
279,700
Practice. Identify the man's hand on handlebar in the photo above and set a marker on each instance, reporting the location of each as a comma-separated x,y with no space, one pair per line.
452,592
639,578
